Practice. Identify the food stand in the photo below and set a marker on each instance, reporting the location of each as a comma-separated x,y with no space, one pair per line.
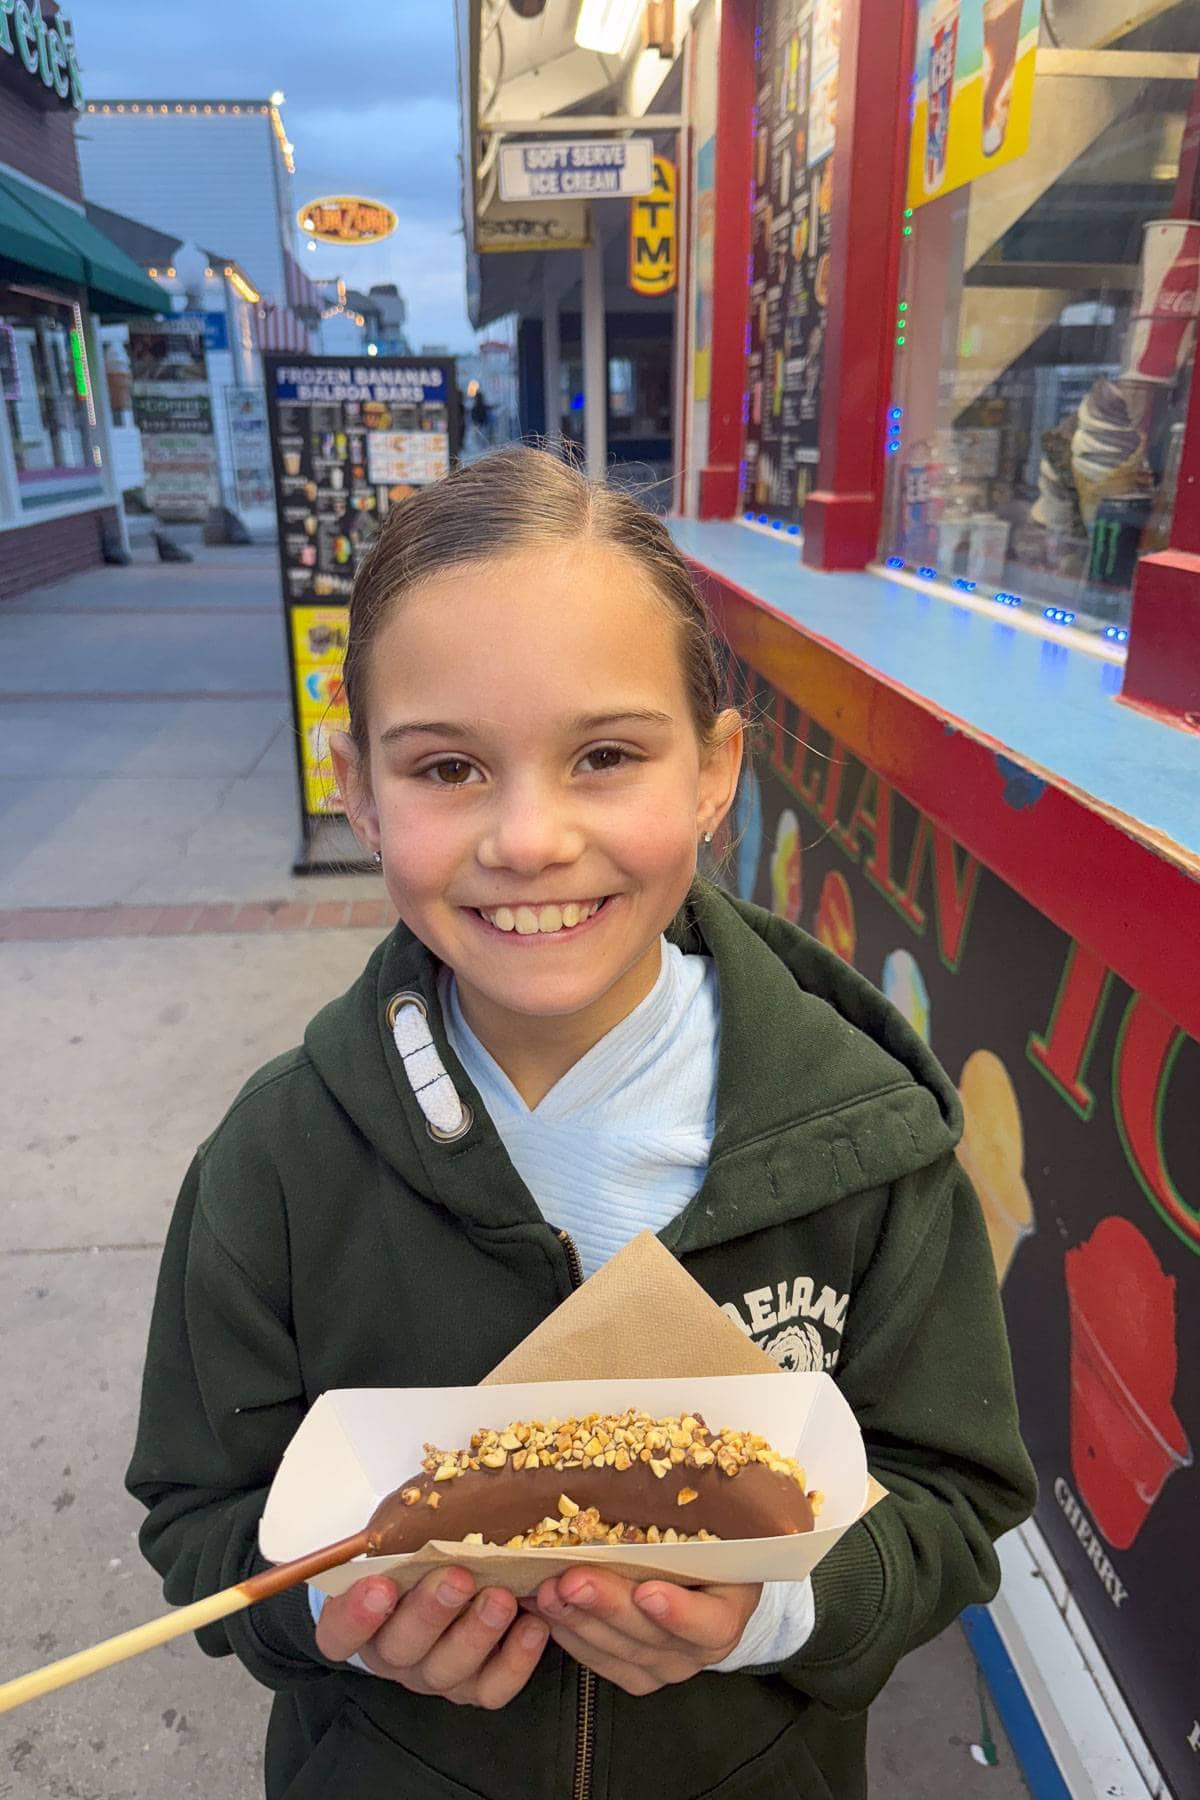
977,771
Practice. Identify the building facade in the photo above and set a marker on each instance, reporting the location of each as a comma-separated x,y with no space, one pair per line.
59,277
212,171
937,451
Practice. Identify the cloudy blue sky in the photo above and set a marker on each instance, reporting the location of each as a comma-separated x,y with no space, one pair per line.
372,108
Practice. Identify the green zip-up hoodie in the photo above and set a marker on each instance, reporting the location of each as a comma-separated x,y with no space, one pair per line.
324,1239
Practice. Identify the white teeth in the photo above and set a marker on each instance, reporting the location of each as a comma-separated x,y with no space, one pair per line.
528,921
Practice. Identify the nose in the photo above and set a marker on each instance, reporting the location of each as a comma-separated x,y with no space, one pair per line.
530,829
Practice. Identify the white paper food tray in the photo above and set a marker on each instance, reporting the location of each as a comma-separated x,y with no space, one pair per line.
358,1444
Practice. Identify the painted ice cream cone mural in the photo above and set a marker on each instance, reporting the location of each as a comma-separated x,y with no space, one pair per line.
904,985
992,1152
835,927
1126,1437
787,887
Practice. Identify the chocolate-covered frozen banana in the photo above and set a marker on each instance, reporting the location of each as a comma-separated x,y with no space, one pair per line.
599,1479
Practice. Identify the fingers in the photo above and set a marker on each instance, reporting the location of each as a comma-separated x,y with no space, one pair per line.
458,1656
505,1674
708,1619
627,1638
590,1599
425,1614
350,1620
440,1639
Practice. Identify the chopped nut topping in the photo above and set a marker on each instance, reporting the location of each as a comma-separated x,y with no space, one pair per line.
410,1495
587,1527
567,1506
434,1500
615,1442
685,1496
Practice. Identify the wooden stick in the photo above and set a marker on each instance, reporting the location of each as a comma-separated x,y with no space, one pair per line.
177,1624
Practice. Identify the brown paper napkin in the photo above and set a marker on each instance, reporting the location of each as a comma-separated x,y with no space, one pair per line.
639,1317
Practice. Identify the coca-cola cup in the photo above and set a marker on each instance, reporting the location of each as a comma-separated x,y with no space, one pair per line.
1167,305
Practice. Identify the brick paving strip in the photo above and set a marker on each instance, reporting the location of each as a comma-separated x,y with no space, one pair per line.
61,924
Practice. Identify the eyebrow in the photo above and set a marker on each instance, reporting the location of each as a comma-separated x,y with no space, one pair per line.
584,722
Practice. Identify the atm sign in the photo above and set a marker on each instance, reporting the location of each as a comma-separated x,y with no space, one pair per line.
652,234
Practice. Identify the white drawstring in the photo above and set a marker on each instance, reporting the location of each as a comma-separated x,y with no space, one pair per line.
446,1115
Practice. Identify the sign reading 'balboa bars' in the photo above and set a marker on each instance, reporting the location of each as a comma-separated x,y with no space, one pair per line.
38,55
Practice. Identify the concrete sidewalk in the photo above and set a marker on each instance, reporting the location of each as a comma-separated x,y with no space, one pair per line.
154,949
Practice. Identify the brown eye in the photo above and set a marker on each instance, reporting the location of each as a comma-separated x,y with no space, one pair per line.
608,756
453,772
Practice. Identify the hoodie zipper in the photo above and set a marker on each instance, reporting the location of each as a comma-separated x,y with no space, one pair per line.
585,1714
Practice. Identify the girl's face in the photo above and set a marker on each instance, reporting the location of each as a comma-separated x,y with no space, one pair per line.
536,784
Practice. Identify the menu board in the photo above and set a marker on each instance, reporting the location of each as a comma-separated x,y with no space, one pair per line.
349,440
172,409
1080,1098
795,115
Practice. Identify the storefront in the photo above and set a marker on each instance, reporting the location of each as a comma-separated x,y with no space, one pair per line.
944,465
59,276
938,452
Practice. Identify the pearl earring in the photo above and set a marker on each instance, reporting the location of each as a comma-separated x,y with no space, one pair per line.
708,837
378,855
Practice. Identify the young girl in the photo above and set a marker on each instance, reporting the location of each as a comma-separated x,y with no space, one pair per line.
567,1038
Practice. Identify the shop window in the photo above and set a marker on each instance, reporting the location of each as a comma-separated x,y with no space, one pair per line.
1048,307
47,396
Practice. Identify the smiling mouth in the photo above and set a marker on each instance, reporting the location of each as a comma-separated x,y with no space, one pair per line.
541,921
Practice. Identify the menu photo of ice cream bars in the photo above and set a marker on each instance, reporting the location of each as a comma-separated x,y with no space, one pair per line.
349,441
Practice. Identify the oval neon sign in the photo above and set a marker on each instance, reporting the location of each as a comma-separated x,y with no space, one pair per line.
347,219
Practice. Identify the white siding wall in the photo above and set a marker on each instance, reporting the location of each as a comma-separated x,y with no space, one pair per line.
212,179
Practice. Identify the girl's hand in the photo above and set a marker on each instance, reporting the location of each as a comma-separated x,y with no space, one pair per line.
442,1638
643,1636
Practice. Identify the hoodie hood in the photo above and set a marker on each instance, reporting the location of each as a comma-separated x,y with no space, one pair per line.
824,1089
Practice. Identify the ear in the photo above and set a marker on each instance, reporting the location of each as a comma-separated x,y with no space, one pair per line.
720,767
354,785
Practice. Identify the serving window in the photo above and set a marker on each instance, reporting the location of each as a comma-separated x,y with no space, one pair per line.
1046,329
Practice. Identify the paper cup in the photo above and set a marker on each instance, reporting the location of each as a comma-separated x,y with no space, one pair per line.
1120,1455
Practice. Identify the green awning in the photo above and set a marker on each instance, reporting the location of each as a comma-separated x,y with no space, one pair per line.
48,238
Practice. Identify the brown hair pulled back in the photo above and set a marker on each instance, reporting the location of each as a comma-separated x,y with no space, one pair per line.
511,500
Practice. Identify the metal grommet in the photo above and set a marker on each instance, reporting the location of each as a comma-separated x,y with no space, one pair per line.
399,1000
460,1130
